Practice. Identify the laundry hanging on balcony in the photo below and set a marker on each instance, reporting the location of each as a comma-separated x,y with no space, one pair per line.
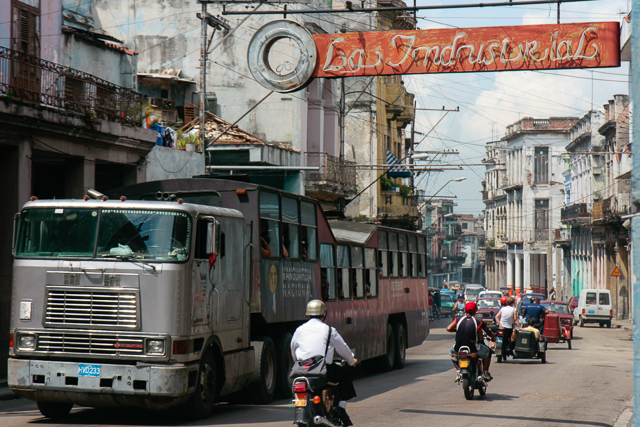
399,171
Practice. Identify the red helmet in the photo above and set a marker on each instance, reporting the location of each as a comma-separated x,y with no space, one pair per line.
503,301
471,307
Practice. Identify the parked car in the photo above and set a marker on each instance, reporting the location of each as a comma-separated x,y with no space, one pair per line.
490,294
594,306
573,303
565,324
471,292
487,308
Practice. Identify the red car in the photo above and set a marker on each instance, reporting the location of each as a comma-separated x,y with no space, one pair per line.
573,303
487,309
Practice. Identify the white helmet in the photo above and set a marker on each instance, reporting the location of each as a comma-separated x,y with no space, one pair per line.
316,308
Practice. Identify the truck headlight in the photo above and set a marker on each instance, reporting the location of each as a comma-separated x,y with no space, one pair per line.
27,342
155,347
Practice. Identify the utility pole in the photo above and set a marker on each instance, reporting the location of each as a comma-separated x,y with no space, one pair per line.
217,24
342,114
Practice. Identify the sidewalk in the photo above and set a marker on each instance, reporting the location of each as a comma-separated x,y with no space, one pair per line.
624,324
625,419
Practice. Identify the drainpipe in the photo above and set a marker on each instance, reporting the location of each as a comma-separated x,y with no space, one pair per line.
635,197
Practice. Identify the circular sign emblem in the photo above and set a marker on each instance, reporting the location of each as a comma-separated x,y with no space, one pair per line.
273,279
282,56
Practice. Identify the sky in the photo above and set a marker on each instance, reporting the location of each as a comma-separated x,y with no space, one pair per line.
489,102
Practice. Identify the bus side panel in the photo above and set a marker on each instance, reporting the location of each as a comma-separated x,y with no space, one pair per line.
418,327
287,286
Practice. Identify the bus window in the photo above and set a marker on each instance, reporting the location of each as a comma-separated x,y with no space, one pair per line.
269,206
308,232
290,227
383,263
422,257
327,272
357,276
414,265
393,254
382,240
412,257
269,238
403,270
344,288
371,273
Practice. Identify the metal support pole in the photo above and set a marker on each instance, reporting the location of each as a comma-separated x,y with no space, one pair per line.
203,72
635,198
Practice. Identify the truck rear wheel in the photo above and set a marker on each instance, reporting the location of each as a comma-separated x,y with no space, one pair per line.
264,389
284,365
54,410
201,402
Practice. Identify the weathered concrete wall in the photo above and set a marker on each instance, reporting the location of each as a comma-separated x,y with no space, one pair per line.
167,35
168,163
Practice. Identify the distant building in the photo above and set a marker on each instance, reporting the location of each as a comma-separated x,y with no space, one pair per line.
534,197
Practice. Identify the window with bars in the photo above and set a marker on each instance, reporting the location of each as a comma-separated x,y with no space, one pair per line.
541,160
542,219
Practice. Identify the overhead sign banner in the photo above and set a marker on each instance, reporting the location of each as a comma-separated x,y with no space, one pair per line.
459,50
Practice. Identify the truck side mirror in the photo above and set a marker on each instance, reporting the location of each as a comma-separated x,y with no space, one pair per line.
16,221
213,236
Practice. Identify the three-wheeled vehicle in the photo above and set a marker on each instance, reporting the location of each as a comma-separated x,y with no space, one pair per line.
528,347
558,324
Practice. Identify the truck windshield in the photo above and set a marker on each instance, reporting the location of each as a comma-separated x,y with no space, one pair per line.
121,233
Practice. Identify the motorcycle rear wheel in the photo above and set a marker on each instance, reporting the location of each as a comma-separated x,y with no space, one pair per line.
468,390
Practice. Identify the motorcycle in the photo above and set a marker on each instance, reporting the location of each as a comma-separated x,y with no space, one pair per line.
470,373
315,402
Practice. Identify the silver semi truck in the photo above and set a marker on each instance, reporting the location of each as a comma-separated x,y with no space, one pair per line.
136,303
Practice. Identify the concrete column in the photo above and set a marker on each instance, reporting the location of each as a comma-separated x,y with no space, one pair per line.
518,272
510,273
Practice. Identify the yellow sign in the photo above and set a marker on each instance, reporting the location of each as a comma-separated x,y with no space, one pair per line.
616,272
273,278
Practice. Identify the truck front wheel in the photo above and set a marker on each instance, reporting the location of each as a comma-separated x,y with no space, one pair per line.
54,410
201,402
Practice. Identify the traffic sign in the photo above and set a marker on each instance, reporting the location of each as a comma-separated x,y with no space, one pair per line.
616,272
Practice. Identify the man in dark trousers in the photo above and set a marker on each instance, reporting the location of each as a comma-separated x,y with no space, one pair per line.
469,331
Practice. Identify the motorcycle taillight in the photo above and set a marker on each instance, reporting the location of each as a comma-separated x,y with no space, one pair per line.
463,355
300,387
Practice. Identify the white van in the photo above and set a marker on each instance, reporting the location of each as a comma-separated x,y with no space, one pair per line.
594,306
471,292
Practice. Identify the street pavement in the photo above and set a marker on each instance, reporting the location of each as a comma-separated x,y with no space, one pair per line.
590,385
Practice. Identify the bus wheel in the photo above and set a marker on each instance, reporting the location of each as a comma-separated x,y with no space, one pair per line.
54,409
264,389
201,402
400,346
284,365
388,360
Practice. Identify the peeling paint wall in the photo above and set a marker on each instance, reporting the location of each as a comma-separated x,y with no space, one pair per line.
169,163
167,35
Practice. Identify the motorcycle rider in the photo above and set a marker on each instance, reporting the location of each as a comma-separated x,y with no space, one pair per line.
507,319
458,307
469,332
310,339
536,311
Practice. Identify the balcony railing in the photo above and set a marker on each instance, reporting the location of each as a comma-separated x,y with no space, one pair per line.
339,176
33,80
575,213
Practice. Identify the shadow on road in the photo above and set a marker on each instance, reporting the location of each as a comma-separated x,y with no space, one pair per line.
515,419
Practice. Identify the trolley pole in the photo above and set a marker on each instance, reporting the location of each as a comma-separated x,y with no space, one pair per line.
203,71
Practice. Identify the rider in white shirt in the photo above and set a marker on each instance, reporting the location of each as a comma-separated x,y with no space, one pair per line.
310,339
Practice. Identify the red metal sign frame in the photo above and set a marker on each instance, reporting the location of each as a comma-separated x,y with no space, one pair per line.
457,50
616,272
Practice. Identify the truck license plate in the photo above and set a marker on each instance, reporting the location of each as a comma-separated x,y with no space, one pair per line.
89,370
591,311
499,339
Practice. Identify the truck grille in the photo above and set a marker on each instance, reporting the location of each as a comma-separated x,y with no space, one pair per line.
91,308
90,344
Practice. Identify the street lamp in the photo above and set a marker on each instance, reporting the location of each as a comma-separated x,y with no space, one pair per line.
445,184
